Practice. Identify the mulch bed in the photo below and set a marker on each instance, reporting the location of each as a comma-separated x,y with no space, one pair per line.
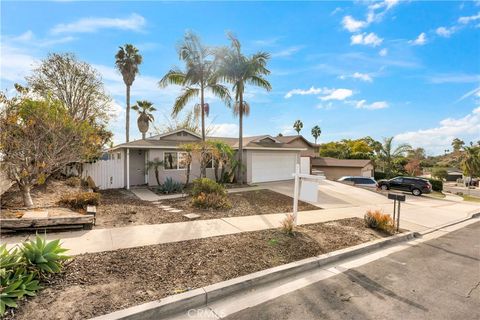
121,208
99,283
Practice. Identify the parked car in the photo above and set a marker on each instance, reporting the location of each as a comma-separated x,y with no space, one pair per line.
359,181
416,186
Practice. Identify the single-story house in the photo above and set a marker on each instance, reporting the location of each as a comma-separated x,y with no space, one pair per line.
454,175
266,158
334,169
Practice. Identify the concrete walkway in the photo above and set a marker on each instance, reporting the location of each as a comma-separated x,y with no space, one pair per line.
421,217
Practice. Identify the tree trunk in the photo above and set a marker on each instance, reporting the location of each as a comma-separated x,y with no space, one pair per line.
27,198
143,135
127,124
188,175
240,141
203,172
156,176
215,166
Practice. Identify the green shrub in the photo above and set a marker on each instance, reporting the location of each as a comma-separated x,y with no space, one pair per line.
80,200
379,175
437,185
211,200
207,186
21,269
73,182
376,219
170,186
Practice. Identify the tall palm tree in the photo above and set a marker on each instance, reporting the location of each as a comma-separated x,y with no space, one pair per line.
145,116
386,154
316,132
198,76
240,70
127,61
298,126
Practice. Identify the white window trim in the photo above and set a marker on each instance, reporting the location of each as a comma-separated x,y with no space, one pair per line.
178,163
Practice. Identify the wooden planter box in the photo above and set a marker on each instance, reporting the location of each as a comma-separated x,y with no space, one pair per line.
61,222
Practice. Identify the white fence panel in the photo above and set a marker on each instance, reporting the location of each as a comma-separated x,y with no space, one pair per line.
107,174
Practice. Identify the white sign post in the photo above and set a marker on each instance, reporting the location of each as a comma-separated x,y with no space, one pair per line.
307,190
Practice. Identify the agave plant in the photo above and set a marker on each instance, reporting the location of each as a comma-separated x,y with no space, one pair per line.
44,257
14,286
145,116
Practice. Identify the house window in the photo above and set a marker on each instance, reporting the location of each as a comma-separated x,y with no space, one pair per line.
170,161
182,160
209,159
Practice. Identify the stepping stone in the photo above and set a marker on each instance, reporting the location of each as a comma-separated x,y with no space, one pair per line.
191,216
176,210
165,207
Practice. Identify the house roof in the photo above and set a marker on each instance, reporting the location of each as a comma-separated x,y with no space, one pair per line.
289,139
265,142
332,162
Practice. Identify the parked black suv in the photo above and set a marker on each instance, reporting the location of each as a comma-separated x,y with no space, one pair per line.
416,186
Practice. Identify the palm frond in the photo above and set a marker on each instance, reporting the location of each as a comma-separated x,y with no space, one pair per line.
260,82
173,76
222,92
246,108
182,100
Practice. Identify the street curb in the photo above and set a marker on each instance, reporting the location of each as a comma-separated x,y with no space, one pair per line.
203,296
449,224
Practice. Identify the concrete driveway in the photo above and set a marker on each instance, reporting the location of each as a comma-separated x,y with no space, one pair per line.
333,194
417,213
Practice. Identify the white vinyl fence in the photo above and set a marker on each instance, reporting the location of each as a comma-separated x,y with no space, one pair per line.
107,174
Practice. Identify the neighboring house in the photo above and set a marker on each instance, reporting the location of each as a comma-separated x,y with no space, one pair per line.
266,158
454,175
337,168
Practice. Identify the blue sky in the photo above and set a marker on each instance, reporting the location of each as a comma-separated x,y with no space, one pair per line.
409,69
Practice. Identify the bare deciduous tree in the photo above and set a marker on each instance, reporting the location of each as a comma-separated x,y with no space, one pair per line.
74,83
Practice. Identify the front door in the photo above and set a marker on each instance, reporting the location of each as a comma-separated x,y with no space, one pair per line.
137,167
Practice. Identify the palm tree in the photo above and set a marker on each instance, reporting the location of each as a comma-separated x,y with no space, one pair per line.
471,161
198,77
316,132
189,149
127,61
145,116
386,154
155,164
298,125
240,70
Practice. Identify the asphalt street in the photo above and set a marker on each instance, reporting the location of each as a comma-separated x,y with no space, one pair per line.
436,279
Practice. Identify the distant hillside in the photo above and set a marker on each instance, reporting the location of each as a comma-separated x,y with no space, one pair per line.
449,160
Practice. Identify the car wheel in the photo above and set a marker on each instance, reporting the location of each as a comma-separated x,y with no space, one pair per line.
384,187
416,192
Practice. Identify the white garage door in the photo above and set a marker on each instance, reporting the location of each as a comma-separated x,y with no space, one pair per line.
273,166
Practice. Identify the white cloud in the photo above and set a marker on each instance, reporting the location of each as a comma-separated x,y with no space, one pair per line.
362,104
15,64
420,40
383,52
360,76
475,92
325,106
303,92
370,39
134,22
454,78
29,39
224,130
437,139
466,20
337,94
445,32
349,23
287,52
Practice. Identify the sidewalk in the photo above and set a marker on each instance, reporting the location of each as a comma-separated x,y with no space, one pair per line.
417,217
